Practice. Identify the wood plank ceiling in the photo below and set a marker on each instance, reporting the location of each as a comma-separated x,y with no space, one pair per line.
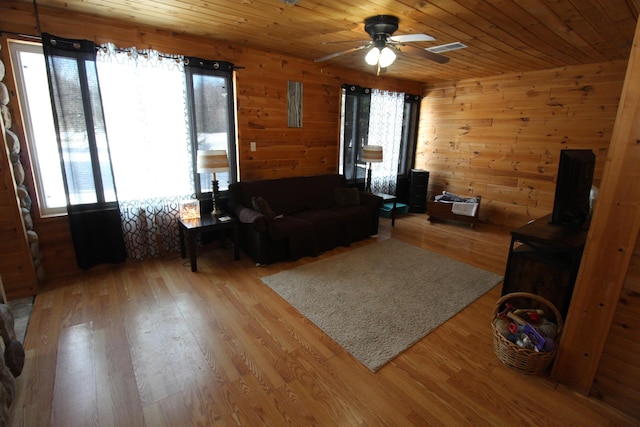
502,36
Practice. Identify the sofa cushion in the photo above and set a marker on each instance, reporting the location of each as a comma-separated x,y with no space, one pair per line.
300,234
287,196
347,197
282,194
330,227
359,220
262,206
320,190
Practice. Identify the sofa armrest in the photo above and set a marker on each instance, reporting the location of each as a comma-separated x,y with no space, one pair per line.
370,199
249,216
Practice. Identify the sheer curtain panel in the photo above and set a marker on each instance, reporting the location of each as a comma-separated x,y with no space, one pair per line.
144,99
385,129
90,189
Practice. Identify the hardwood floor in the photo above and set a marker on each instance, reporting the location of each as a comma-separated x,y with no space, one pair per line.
151,343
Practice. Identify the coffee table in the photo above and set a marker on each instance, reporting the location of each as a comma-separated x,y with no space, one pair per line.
207,222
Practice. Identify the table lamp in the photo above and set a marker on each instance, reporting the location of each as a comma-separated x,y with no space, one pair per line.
212,161
371,154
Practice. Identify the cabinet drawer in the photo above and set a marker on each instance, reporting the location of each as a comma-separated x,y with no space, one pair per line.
419,179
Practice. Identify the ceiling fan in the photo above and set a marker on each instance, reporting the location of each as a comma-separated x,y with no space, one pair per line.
384,45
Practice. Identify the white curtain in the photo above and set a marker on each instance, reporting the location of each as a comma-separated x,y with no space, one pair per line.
385,129
144,102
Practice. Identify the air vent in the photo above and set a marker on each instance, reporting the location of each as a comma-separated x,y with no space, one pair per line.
290,1
447,47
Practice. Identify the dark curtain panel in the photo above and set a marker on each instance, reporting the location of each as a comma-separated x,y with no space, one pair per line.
92,204
357,105
410,122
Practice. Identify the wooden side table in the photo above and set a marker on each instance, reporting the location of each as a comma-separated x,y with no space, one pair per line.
206,222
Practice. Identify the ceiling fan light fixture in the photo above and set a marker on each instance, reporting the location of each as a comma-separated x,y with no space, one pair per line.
373,56
387,57
381,50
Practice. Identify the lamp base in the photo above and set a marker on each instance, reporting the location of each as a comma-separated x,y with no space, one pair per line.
368,183
216,198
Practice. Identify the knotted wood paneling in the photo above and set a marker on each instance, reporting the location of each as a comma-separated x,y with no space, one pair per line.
501,137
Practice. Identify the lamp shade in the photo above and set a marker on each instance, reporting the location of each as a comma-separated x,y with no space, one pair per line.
209,161
371,154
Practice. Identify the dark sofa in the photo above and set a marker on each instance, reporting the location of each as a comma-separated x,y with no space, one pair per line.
290,218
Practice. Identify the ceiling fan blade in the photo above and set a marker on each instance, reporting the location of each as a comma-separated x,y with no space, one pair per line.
409,38
441,59
344,52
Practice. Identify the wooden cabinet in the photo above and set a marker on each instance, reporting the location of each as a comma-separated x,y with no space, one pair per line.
418,183
544,259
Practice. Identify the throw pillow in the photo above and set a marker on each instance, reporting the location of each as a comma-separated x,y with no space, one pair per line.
347,197
261,205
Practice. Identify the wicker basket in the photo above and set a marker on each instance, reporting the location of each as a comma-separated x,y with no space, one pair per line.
522,359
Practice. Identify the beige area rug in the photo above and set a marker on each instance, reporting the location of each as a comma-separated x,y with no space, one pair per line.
378,300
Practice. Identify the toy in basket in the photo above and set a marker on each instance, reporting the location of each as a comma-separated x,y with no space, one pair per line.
525,338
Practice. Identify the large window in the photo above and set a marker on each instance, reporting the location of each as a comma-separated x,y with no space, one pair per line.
143,97
33,92
356,102
210,88
375,117
147,102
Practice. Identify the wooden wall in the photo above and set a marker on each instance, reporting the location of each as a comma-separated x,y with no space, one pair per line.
500,137
261,103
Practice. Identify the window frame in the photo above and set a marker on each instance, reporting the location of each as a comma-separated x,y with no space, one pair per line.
355,101
214,68
361,99
15,48
219,69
